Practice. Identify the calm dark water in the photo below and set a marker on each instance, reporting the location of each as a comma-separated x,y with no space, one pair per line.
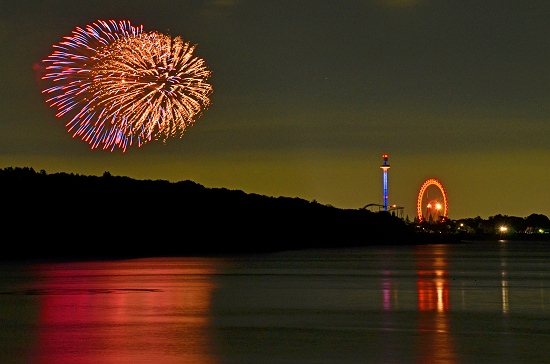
471,303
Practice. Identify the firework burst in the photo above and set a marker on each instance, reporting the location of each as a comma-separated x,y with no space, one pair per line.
121,85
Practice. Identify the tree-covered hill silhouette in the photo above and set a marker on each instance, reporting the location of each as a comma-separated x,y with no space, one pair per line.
69,215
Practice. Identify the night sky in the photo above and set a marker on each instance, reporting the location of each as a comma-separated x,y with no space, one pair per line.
308,95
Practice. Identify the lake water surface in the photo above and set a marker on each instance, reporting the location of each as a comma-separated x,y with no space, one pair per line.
471,303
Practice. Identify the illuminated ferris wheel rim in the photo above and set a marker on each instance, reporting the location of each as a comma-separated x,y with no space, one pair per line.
423,188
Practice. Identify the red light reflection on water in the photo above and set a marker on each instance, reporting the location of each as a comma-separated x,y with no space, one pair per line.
435,340
111,312
433,290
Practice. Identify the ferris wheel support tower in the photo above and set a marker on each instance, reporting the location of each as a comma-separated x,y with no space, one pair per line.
385,168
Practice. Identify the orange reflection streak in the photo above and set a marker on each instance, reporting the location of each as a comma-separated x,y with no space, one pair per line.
141,311
435,339
433,290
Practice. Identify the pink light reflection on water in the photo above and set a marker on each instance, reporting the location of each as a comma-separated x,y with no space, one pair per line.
100,312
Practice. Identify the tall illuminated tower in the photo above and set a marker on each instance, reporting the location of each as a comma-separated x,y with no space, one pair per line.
385,168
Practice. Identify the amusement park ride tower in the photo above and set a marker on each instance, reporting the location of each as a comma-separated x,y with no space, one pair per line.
385,168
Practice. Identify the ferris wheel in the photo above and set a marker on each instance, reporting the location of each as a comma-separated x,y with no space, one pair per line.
432,207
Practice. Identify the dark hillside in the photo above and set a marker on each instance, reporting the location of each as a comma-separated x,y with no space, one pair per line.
66,215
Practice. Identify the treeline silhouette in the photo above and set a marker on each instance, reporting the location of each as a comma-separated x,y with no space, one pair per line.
62,215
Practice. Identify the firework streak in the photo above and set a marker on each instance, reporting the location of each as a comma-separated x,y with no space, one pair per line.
120,85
